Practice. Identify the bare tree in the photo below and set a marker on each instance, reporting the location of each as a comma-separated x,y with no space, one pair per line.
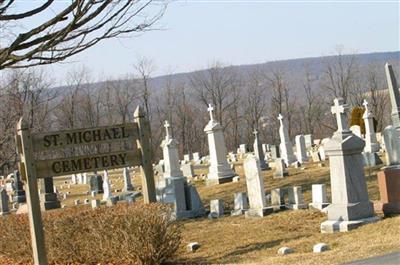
78,26
144,69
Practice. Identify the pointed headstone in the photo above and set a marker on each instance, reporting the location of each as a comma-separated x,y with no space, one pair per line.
394,95
258,152
127,180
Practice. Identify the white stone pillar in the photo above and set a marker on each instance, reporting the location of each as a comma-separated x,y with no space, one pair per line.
219,170
301,151
106,186
255,188
286,147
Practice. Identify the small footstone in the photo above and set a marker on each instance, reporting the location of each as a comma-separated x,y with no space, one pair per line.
193,246
320,247
236,179
285,250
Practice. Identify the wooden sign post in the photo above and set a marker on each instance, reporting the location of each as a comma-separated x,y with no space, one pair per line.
31,168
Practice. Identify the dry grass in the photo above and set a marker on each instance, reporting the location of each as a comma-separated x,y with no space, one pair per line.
236,240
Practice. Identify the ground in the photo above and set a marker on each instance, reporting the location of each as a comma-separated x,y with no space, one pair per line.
236,240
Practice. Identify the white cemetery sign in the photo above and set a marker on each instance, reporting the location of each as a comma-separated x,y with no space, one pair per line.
134,151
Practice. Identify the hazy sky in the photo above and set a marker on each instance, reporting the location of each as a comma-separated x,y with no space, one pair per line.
244,32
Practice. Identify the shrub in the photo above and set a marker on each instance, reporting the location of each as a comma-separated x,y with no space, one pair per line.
123,234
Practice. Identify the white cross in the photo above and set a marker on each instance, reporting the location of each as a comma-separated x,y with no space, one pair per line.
339,109
255,132
365,104
167,127
210,109
280,118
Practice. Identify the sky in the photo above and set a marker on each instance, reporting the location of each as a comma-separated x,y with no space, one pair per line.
193,34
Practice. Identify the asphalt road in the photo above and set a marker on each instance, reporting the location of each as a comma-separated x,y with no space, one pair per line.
389,259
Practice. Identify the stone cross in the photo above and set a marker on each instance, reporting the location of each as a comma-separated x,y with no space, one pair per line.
255,133
339,108
168,129
210,109
280,118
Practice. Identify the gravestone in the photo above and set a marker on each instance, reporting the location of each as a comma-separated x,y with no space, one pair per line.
280,169
106,186
219,170
243,148
319,200
301,150
187,157
4,209
309,140
187,170
259,153
127,180
48,198
389,177
350,206
240,202
216,208
255,189
356,130
278,198
296,199
19,192
84,178
196,157
285,146
96,184
372,146
274,152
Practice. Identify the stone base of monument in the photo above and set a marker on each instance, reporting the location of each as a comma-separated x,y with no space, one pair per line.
318,206
296,206
389,189
255,213
49,201
221,180
238,212
371,159
345,226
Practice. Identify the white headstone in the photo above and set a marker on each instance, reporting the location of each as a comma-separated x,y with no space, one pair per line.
280,168
255,188
106,186
286,148
240,203
219,170
127,180
296,199
319,200
301,150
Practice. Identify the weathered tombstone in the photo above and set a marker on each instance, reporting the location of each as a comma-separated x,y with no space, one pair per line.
255,189
394,95
48,198
187,170
280,168
216,208
296,199
319,200
243,148
278,198
106,186
309,140
4,209
84,180
219,170
391,140
19,192
187,157
259,153
301,150
127,180
196,157
240,202
285,146
96,184
372,146
350,206
274,152
74,179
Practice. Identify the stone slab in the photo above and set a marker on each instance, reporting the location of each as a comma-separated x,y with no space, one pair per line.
345,226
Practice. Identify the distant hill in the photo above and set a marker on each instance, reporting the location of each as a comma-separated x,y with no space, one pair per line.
294,70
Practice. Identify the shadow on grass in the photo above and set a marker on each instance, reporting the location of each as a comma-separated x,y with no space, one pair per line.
232,256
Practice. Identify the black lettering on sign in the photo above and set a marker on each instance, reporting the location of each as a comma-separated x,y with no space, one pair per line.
89,163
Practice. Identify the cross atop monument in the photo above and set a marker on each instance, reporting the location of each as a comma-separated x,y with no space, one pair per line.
366,112
210,109
280,118
339,109
168,129
365,104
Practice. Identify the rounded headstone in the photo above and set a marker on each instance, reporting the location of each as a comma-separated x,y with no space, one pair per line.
285,251
320,247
